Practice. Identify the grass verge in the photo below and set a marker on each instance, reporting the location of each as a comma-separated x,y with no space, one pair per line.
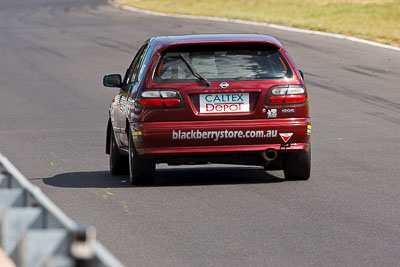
375,20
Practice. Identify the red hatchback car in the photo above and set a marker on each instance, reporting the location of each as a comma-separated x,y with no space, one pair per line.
219,98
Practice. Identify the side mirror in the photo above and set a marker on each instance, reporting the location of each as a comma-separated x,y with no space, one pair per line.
112,80
301,74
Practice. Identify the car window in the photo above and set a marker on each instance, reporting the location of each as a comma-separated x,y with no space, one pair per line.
139,70
143,64
223,62
132,70
133,75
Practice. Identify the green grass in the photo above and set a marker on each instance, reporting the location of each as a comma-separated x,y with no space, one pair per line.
376,20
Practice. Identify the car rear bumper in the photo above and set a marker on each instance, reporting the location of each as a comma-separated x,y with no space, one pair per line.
227,136
222,149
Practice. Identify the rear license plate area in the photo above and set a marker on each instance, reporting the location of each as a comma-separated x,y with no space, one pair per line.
224,103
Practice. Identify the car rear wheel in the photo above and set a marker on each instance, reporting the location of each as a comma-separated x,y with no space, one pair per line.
118,163
141,171
298,166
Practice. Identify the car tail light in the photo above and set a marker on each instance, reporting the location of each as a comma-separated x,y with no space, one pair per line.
172,102
153,102
287,94
160,98
277,99
295,98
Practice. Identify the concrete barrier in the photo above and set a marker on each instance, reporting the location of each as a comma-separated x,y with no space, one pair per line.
34,232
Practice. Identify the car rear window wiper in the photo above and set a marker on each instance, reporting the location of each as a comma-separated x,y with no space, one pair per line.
193,70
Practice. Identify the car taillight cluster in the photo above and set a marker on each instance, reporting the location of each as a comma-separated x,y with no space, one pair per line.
160,98
287,94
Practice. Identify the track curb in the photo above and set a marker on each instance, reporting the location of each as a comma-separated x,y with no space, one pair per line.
262,24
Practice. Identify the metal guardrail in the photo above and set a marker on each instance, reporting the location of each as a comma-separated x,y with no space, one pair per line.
34,232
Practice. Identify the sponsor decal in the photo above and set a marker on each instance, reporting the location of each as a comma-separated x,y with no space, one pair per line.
286,136
272,113
224,134
137,135
222,103
288,110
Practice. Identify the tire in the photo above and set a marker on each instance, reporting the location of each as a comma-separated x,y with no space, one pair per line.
141,171
118,163
298,166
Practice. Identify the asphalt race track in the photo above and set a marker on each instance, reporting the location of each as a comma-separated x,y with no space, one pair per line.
53,55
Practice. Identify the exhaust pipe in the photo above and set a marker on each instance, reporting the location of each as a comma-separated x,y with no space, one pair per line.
269,154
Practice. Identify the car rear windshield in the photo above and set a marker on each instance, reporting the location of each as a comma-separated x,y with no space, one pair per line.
244,62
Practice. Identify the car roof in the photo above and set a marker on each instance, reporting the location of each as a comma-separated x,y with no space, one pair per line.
162,42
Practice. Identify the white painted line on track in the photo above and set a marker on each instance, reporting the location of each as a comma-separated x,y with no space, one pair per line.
262,24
